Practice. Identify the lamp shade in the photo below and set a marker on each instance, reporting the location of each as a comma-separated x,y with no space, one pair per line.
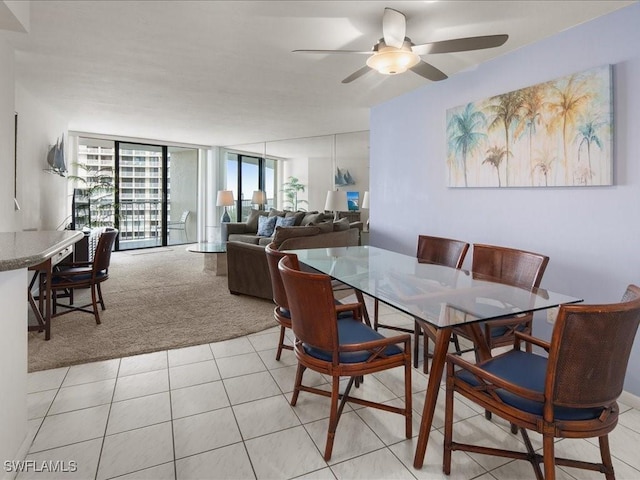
336,201
225,198
365,200
259,197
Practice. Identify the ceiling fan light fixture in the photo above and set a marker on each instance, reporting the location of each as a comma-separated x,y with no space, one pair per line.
391,60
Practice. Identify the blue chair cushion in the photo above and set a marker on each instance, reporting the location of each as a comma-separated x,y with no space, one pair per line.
352,331
527,370
80,275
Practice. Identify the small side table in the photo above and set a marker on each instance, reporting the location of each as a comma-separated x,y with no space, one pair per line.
215,258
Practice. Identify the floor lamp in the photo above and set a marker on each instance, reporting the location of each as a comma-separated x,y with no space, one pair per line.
225,199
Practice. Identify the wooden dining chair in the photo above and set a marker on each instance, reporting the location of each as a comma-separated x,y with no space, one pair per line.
440,251
281,312
512,267
572,393
345,348
80,275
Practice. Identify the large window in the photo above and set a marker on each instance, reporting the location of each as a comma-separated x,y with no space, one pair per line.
148,192
244,175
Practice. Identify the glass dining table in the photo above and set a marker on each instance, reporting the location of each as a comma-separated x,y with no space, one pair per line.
437,296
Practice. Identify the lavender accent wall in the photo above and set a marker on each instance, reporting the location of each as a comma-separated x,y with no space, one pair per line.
592,235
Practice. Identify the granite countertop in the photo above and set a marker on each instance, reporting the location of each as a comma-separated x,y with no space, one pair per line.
25,249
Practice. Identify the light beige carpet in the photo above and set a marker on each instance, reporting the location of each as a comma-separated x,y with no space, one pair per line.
156,301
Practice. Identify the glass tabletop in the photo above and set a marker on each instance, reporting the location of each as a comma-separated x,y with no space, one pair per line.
208,247
439,295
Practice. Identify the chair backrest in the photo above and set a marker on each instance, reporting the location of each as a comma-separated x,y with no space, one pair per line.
312,306
441,251
509,265
590,350
273,258
102,255
184,216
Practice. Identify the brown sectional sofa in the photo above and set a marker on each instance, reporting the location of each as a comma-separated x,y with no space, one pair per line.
248,272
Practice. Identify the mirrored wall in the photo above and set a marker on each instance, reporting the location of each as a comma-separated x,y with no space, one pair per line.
297,173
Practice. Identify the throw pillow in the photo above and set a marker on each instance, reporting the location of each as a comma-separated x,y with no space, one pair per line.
283,234
312,218
341,225
285,221
266,225
297,216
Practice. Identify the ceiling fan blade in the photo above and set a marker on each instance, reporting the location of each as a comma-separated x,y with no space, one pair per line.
461,44
394,27
357,74
359,52
428,71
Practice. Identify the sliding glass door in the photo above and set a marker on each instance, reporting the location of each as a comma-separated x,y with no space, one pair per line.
245,174
182,195
148,192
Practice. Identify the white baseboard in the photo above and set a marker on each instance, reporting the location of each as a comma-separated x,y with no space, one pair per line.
630,399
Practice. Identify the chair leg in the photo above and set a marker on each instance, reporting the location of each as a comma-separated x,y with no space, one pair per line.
605,454
549,457
280,342
94,302
100,296
296,387
333,418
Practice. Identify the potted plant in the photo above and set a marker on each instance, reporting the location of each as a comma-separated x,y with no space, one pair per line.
291,190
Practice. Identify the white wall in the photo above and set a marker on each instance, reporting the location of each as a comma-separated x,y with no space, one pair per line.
591,234
9,219
44,197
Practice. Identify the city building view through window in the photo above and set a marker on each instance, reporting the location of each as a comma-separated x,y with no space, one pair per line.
147,192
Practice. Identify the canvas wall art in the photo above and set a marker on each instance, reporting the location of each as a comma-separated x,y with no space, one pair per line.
553,134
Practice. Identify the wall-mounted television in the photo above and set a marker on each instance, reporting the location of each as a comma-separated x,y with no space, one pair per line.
353,201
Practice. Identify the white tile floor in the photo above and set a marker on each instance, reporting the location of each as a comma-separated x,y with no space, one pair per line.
222,410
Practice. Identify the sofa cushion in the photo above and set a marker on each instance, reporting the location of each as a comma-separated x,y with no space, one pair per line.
276,213
266,225
244,238
297,216
312,217
341,225
252,220
264,241
283,233
325,227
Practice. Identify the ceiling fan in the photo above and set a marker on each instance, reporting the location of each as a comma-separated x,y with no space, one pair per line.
395,53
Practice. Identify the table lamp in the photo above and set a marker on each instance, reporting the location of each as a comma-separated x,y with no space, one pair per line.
225,199
336,202
259,198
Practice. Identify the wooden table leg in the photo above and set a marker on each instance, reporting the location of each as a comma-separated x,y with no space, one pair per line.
442,337
365,313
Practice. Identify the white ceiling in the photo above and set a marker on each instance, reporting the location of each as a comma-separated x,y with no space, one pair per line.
222,72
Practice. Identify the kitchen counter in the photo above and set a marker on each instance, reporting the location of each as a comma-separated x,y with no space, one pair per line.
25,249
18,252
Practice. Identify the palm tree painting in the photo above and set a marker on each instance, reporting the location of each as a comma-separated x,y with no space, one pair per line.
496,141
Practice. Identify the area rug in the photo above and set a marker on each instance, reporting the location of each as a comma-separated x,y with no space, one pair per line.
156,301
